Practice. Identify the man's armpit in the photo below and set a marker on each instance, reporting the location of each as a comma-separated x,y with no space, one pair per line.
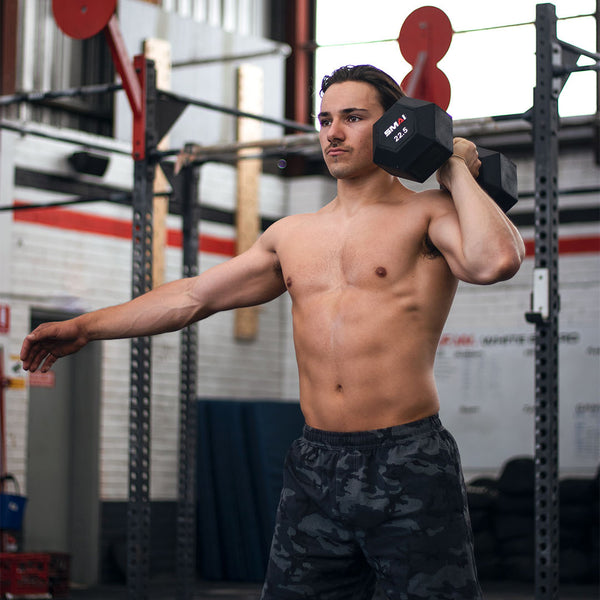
429,249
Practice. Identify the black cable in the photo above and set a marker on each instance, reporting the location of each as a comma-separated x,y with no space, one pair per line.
315,46
114,197
88,90
117,197
23,130
234,111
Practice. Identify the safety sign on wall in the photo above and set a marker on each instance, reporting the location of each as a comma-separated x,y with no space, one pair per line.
44,380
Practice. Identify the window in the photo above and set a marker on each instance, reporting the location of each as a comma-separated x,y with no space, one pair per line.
491,60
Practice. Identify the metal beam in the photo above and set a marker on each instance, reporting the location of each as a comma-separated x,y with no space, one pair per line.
9,20
279,50
138,506
186,502
195,153
546,305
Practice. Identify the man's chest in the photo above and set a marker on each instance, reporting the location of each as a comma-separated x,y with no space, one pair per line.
372,254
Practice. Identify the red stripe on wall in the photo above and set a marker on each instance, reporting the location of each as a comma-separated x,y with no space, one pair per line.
63,218
570,245
578,245
74,221
208,243
71,220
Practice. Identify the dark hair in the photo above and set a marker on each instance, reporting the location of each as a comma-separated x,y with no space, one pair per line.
387,88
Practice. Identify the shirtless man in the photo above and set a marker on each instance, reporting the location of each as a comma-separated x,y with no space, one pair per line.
373,489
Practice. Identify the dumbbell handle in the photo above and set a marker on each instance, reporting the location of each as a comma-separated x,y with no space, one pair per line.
497,176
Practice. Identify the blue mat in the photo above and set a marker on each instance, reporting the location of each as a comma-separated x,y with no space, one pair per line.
241,450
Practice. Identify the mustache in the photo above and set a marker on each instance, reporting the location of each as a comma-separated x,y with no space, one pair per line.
336,146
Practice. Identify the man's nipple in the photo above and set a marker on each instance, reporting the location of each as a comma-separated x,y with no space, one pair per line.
380,272
288,282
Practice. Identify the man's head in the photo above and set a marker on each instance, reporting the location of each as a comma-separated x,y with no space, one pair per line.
353,98
387,89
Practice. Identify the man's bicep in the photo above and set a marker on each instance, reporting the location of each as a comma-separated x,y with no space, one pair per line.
251,278
445,234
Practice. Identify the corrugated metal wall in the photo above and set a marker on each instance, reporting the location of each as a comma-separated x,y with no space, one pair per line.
245,17
49,60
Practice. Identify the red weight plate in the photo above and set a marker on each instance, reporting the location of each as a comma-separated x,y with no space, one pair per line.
81,19
427,28
433,87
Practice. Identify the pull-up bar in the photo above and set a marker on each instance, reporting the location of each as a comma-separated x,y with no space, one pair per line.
195,153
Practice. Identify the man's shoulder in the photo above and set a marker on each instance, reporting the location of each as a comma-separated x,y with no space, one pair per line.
289,222
423,206
426,198
281,229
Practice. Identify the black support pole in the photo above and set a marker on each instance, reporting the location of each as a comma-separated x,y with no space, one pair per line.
138,507
186,505
546,304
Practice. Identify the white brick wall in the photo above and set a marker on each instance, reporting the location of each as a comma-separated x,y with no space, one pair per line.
69,270
64,269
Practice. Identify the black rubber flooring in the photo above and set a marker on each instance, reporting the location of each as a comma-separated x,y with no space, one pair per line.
251,591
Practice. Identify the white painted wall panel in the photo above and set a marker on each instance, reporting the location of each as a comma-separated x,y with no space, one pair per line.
214,82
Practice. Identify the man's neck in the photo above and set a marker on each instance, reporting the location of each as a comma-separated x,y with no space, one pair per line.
352,193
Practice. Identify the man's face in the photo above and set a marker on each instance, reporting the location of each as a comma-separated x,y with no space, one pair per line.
348,112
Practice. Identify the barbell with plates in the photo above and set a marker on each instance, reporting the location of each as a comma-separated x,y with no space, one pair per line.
414,138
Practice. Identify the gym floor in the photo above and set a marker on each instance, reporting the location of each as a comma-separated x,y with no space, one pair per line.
251,591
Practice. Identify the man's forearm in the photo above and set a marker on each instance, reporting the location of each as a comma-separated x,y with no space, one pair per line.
490,242
166,308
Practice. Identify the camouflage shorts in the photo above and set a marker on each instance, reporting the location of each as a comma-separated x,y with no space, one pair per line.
385,506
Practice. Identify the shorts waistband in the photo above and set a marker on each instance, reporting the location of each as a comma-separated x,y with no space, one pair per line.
374,436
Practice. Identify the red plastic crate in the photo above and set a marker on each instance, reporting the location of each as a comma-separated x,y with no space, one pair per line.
59,574
24,573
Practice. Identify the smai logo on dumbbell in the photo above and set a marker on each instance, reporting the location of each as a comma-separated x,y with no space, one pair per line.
398,136
424,143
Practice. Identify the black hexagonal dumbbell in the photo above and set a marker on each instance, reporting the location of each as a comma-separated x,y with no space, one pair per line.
498,177
414,138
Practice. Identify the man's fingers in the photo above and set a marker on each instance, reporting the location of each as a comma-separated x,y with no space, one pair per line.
36,357
50,360
26,348
29,352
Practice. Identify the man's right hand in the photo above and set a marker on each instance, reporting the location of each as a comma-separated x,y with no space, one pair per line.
51,341
464,150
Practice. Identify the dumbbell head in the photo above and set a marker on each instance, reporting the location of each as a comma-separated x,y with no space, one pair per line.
498,177
412,139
